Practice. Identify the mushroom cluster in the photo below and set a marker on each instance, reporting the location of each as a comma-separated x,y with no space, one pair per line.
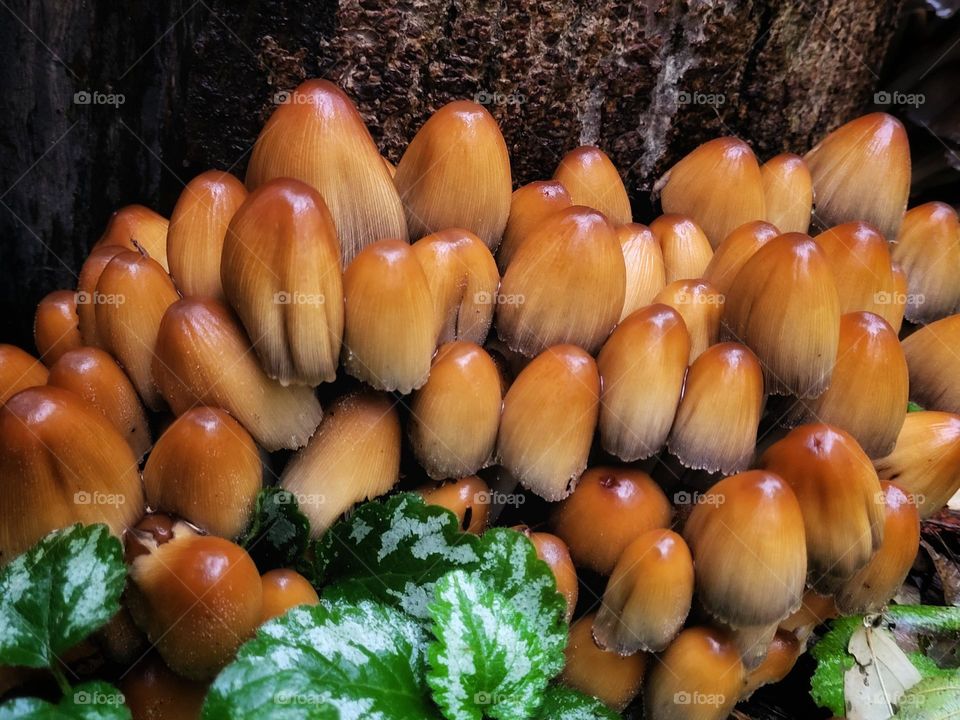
715,405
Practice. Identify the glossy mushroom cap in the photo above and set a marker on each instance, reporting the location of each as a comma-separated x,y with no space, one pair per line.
934,364
643,259
456,173
868,391
787,192
565,284
468,498
686,250
198,598
353,456
390,332
859,257
318,137
204,358
56,326
880,579
549,416
926,459
281,273
610,508
837,488
463,280
642,365
716,424
93,375
782,654
700,305
613,679
284,589
591,178
19,370
61,462
698,677
454,417
861,171
137,228
648,596
530,205
747,538
928,249
198,226
132,295
86,295
205,468
733,253
718,185
784,306
554,552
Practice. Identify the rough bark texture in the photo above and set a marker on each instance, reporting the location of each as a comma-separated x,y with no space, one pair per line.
647,81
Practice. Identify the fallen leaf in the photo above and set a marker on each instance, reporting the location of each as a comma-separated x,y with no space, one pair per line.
949,573
880,677
935,698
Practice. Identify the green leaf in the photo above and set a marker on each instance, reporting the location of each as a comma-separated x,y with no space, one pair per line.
560,703
914,407
927,667
487,660
331,660
395,551
833,661
90,701
278,534
910,624
922,620
934,698
57,593
883,673
509,565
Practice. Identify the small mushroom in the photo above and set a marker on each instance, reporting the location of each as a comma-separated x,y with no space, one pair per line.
612,678
284,589
198,598
648,596
610,508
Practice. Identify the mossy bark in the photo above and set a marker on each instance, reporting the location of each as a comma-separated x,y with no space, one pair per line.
647,81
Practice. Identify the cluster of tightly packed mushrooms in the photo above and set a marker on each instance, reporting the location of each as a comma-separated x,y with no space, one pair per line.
716,403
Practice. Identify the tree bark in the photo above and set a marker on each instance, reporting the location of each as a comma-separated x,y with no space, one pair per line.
647,81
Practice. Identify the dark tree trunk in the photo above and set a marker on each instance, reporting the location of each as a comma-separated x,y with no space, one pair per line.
647,81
